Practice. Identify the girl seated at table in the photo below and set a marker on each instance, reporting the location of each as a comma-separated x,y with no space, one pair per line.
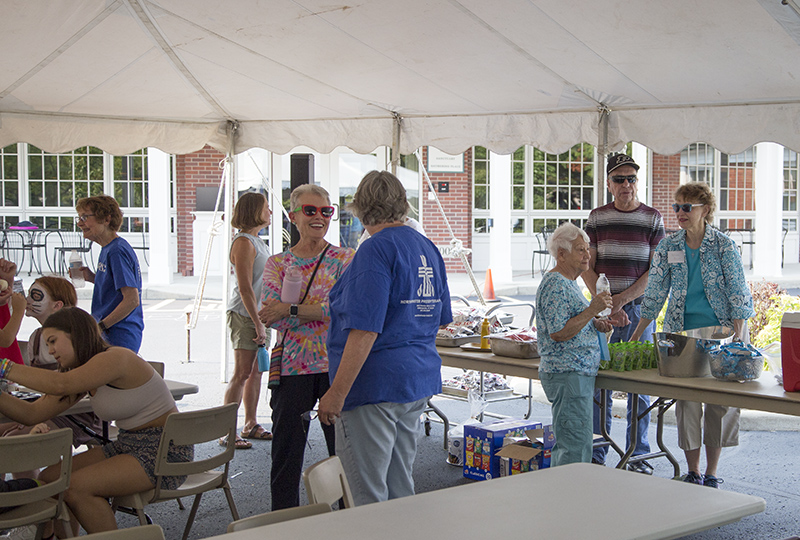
121,387
46,296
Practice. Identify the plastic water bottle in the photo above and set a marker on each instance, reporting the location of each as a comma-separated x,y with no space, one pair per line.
263,358
292,282
75,273
603,286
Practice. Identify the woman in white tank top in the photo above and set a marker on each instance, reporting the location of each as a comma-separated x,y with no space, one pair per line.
122,387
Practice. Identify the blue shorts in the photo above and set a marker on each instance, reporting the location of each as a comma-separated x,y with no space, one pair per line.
143,445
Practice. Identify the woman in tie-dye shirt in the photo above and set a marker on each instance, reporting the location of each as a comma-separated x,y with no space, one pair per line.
303,327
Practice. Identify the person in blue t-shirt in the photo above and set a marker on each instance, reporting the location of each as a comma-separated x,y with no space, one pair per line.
385,312
116,301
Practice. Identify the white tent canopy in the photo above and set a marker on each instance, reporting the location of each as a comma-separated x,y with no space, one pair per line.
125,74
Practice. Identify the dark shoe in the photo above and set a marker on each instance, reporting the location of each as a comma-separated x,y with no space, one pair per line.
598,462
712,481
642,467
693,478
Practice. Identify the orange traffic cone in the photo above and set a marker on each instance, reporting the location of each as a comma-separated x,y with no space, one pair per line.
488,287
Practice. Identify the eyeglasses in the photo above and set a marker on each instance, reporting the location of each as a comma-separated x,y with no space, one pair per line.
311,210
686,207
308,416
631,178
82,217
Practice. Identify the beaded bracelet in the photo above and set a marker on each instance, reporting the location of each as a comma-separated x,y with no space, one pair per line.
5,367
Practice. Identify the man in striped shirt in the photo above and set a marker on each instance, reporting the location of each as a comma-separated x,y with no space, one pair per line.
623,237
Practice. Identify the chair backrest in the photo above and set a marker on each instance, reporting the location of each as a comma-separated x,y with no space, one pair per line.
70,240
23,348
27,452
196,427
276,516
326,483
158,366
143,532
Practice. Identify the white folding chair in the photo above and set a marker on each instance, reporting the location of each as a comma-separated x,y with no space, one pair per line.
146,532
191,428
276,516
41,504
326,483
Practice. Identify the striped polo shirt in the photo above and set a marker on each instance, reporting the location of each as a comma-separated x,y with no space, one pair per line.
624,242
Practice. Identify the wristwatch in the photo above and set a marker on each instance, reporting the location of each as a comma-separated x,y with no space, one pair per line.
293,311
103,326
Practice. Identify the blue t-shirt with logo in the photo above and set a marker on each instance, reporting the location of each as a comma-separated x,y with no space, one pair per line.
396,286
118,267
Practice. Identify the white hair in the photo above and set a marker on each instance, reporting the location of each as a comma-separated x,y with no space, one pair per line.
562,238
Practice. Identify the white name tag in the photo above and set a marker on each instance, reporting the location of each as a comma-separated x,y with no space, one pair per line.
676,257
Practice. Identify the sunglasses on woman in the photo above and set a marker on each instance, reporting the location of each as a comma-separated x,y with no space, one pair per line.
311,210
686,207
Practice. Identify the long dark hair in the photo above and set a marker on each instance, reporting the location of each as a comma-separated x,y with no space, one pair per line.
82,329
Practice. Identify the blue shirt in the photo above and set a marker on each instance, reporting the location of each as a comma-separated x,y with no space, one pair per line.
698,312
118,267
559,299
396,286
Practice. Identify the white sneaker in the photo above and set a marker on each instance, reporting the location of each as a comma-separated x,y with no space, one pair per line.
27,532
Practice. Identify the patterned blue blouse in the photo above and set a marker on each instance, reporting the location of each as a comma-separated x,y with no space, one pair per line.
557,301
723,280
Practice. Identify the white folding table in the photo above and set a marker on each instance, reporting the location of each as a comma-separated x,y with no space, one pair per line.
556,503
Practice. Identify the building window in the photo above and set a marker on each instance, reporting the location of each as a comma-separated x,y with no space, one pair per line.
130,180
518,181
518,225
564,181
59,180
480,178
791,171
9,169
731,178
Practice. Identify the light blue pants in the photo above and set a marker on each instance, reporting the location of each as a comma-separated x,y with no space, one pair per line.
571,398
377,445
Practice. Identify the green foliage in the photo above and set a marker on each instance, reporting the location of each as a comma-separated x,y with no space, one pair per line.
764,295
771,331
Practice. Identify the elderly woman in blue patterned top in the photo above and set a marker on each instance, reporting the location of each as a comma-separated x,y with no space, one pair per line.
701,270
568,344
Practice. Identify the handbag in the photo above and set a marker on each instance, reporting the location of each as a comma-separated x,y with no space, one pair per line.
276,356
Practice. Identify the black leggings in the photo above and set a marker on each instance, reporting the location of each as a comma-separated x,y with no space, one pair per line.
295,395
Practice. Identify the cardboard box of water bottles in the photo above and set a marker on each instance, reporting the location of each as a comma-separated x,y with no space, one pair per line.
482,441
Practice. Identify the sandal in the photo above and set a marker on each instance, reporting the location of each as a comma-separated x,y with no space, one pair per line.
239,444
257,432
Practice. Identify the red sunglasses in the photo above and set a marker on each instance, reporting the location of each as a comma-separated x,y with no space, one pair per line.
311,210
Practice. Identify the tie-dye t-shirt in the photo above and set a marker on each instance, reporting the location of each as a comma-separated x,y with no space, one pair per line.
304,350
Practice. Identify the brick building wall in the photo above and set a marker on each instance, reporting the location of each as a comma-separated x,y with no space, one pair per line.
199,169
457,205
666,179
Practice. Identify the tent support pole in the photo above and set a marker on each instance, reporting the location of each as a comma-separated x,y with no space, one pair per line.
230,188
602,150
398,120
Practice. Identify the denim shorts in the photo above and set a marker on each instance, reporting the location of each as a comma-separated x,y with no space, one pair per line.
143,445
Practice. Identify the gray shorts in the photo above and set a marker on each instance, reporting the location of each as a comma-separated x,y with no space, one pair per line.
143,445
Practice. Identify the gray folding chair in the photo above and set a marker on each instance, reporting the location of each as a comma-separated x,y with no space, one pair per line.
191,428
276,516
146,532
326,483
45,503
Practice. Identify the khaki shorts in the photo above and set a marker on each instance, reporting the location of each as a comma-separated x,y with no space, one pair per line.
243,332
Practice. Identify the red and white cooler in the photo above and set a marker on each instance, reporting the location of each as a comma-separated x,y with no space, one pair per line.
790,351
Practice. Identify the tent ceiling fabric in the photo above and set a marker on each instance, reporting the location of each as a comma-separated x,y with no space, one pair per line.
124,74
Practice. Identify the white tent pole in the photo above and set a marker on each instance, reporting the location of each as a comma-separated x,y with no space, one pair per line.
602,150
231,189
396,142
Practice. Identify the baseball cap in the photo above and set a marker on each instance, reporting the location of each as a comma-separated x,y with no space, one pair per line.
615,161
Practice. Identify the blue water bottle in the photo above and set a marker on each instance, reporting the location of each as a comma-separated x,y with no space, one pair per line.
263,359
